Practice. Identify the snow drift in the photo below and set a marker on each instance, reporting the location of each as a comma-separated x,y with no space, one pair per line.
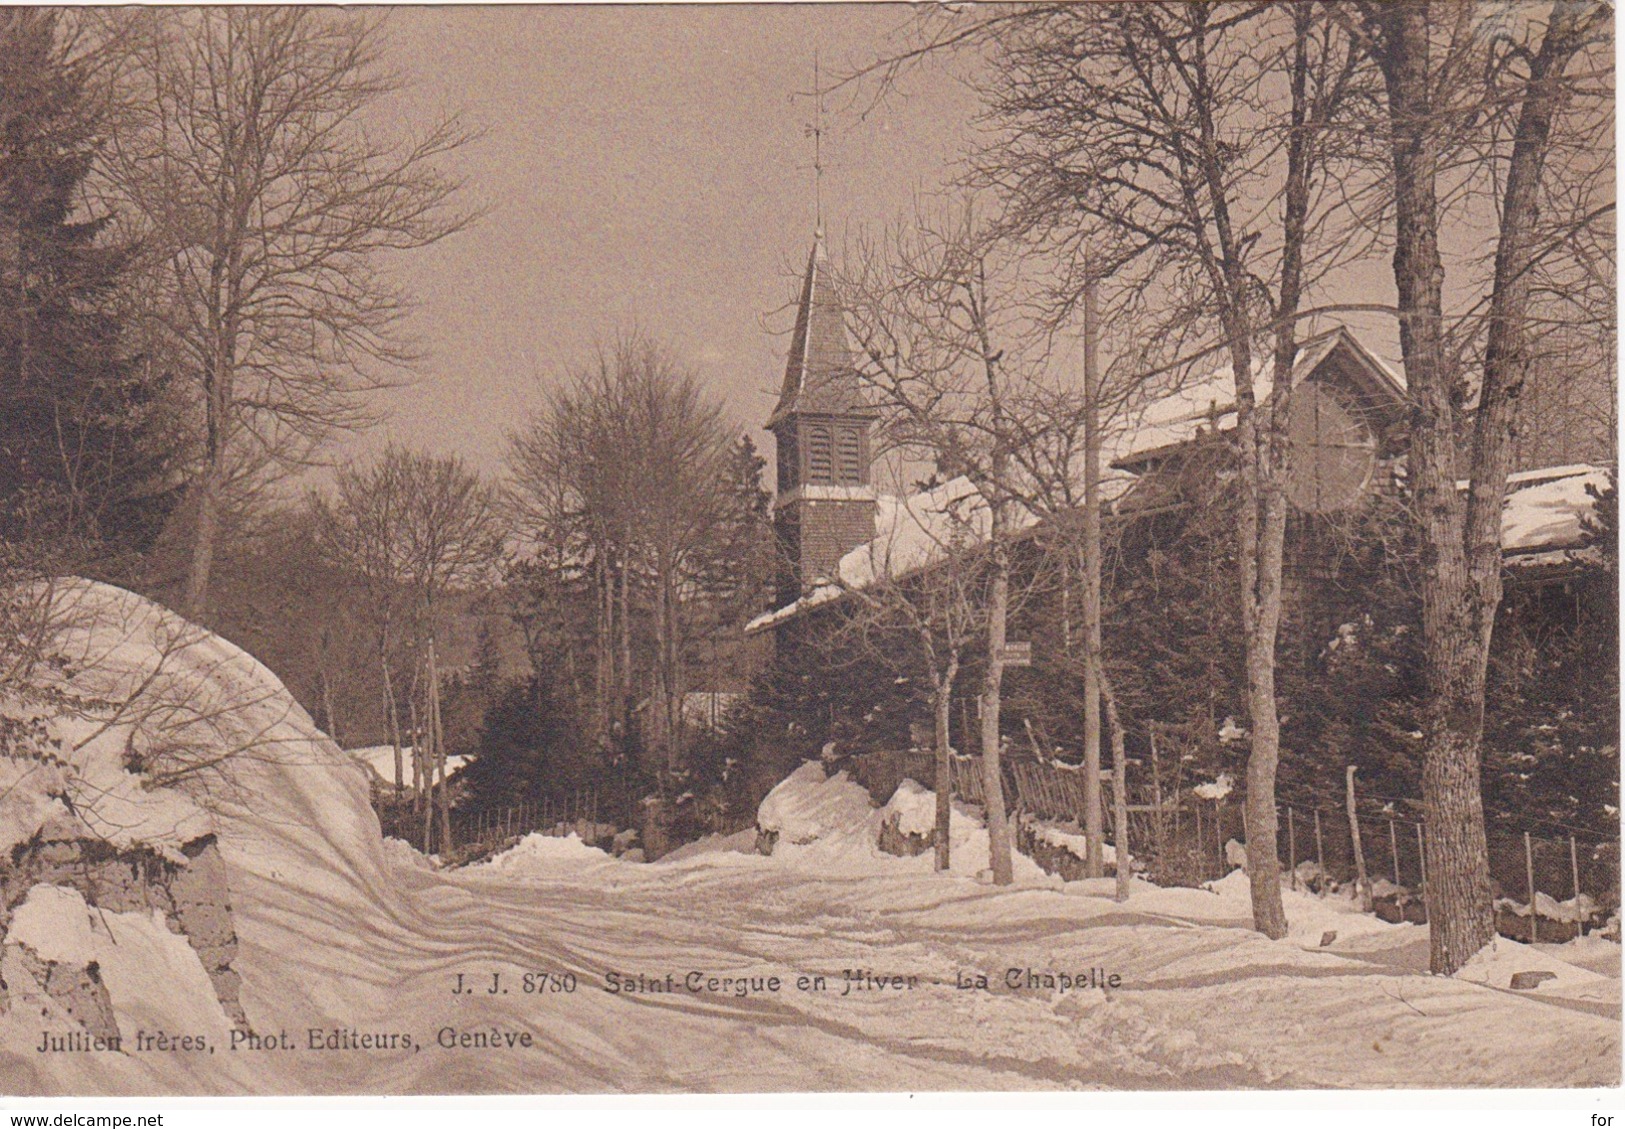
363,971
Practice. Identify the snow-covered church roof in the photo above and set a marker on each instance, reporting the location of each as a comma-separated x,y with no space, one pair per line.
1542,522
1207,403
910,533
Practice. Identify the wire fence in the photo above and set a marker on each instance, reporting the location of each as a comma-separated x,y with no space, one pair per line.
484,831
1567,874
1569,878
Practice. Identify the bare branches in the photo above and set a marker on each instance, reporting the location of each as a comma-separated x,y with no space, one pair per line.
632,476
269,212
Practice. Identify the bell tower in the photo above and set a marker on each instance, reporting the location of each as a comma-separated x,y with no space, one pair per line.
825,504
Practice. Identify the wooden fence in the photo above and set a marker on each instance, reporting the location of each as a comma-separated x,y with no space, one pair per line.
1043,789
1183,839
474,833
1557,863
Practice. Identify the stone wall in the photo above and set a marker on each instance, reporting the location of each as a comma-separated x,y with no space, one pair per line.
75,993
895,841
194,899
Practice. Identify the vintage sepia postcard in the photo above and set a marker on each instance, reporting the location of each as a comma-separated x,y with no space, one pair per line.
808,548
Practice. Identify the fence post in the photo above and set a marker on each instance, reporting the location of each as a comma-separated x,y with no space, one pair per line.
1120,835
1201,843
1529,870
1422,859
1362,884
1292,844
1393,849
1320,851
1574,868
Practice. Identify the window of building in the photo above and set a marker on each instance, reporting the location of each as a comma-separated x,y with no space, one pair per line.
820,456
848,457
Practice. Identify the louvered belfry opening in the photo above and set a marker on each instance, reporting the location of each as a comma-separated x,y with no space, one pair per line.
849,457
820,455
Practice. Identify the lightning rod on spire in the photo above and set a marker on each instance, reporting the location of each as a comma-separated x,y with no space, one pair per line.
817,130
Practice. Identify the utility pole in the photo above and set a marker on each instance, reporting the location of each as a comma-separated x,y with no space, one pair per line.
1094,865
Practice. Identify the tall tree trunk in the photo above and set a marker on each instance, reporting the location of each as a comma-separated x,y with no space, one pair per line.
423,773
998,824
1094,822
660,699
604,653
393,717
668,701
224,327
1261,523
419,749
200,567
1458,891
942,711
444,800
625,625
1121,846
679,685
327,703
1264,757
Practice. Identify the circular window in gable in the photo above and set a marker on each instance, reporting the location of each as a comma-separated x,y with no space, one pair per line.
1330,454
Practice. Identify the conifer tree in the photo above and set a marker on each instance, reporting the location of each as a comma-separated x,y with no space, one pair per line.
86,449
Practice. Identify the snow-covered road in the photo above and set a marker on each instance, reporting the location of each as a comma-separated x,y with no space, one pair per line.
365,970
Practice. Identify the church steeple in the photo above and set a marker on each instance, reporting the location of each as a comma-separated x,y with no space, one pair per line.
819,376
825,503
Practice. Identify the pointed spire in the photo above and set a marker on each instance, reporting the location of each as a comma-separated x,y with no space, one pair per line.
820,377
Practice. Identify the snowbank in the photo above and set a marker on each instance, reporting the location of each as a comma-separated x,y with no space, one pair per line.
809,805
1545,509
131,672
1502,959
153,977
179,735
1572,911
380,760
1070,839
740,842
915,807
538,854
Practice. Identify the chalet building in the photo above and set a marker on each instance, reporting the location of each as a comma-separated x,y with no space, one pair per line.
1346,431
1347,438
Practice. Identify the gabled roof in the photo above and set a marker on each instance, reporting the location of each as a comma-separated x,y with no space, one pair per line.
1208,404
819,378
911,533
1542,525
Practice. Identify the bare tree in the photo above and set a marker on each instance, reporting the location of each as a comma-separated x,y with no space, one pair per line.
269,208
413,528
935,312
1183,150
1432,59
922,586
360,531
629,473
451,539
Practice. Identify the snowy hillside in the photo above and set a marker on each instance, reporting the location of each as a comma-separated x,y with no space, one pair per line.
825,965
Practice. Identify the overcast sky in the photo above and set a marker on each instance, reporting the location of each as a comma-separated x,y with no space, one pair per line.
642,166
